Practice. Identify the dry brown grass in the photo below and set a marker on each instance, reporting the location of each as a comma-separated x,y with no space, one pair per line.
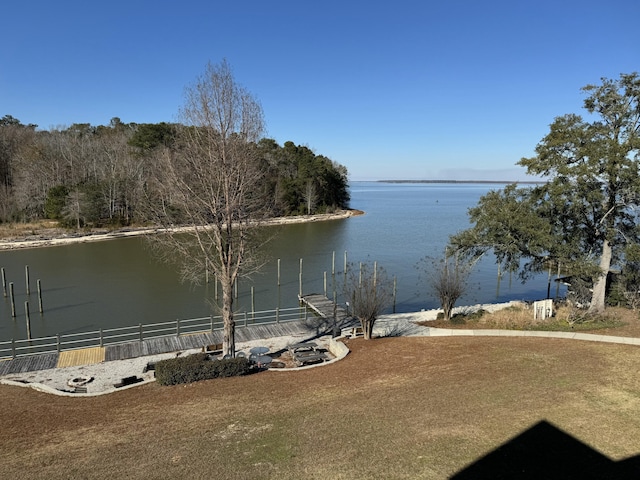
617,321
15,231
393,408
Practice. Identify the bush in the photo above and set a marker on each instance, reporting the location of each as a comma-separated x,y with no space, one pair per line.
194,368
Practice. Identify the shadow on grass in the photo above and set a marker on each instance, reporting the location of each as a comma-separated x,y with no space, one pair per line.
546,452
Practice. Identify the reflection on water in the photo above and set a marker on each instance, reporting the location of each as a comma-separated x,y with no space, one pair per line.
118,282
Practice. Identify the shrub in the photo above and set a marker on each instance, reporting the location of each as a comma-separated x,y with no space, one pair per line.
193,368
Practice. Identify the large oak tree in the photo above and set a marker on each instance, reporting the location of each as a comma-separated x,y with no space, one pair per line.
585,214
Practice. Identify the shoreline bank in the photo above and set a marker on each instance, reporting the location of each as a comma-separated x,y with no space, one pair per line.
105,374
63,238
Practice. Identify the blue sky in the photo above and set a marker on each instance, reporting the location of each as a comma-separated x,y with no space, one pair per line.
455,89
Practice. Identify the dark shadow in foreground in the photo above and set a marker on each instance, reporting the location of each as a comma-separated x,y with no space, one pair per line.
545,451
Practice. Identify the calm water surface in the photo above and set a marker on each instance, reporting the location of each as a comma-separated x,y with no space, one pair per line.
118,283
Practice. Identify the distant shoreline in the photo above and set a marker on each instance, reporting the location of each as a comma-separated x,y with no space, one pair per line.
64,237
504,182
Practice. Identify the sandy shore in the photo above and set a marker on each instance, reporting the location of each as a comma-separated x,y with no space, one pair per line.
61,238
105,375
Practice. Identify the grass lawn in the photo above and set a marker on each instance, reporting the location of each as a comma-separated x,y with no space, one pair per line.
394,408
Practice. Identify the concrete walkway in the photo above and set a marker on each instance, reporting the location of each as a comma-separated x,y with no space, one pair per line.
404,325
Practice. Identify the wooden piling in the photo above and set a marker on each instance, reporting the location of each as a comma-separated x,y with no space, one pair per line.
278,272
325,283
333,263
4,283
253,303
28,319
300,279
375,274
13,302
40,296
26,277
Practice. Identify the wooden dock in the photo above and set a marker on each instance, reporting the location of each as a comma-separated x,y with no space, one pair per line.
325,308
152,346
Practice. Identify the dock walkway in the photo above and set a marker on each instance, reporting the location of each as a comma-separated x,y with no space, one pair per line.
324,307
152,346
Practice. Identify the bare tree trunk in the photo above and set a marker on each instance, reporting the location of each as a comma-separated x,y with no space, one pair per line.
310,196
600,285
229,331
213,183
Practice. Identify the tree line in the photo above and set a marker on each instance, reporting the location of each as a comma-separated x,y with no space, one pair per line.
94,176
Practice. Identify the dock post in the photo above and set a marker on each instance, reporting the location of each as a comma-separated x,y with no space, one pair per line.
345,263
277,314
26,316
334,329
333,263
13,348
375,274
300,279
40,296
278,272
245,319
13,301
58,342
325,284
253,304
177,327
4,283
26,278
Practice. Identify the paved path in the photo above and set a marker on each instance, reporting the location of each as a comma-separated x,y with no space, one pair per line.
403,325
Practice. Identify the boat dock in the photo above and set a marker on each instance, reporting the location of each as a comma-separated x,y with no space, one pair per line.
151,346
326,309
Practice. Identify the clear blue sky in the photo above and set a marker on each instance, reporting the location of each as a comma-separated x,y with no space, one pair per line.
454,89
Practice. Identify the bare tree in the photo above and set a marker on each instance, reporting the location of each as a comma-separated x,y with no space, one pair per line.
370,292
448,279
212,183
310,196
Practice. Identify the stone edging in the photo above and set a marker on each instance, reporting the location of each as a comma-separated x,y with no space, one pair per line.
338,349
54,391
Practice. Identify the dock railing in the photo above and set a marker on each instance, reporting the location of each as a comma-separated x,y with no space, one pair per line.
113,336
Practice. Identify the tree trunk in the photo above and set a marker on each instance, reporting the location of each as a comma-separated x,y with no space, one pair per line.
229,330
600,285
446,311
367,328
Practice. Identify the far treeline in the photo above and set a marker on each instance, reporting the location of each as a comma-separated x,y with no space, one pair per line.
96,176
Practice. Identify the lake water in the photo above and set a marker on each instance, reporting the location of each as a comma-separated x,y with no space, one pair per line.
118,283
